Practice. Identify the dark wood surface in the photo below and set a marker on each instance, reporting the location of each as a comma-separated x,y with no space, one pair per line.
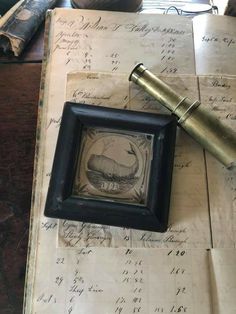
19,91
19,86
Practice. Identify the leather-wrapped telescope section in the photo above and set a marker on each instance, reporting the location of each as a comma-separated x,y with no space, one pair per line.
216,137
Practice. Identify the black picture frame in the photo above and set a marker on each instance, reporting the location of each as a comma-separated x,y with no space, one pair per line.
61,201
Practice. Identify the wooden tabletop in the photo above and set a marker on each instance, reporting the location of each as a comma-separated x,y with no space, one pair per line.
19,85
19,90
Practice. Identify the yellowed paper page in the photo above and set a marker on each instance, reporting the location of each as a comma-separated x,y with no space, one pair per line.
215,44
124,281
91,41
80,38
223,280
94,40
219,95
65,279
98,88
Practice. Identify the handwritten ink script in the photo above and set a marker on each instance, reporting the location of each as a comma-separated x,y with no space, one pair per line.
143,28
80,38
219,95
137,278
215,44
98,89
157,281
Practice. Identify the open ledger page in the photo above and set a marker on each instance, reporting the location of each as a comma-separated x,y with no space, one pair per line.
64,277
215,44
219,95
223,280
147,281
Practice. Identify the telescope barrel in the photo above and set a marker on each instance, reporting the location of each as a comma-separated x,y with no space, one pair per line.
216,137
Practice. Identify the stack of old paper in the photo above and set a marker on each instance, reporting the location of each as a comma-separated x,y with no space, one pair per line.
83,268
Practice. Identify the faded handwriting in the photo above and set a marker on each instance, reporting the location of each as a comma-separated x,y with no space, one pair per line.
227,41
218,94
76,234
48,225
95,42
221,98
56,122
44,298
82,94
169,238
122,281
184,164
217,82
143,28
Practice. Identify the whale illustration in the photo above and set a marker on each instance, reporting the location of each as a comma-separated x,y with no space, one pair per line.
111,169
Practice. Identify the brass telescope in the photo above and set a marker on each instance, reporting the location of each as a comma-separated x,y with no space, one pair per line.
216,137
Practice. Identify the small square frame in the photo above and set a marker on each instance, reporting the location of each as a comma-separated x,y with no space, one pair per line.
61,201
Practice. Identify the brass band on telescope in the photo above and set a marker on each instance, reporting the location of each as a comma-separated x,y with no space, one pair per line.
197,121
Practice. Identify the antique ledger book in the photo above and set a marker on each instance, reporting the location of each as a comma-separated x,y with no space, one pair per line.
20,23
75,267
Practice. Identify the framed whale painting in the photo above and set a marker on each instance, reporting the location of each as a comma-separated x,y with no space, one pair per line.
112,167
